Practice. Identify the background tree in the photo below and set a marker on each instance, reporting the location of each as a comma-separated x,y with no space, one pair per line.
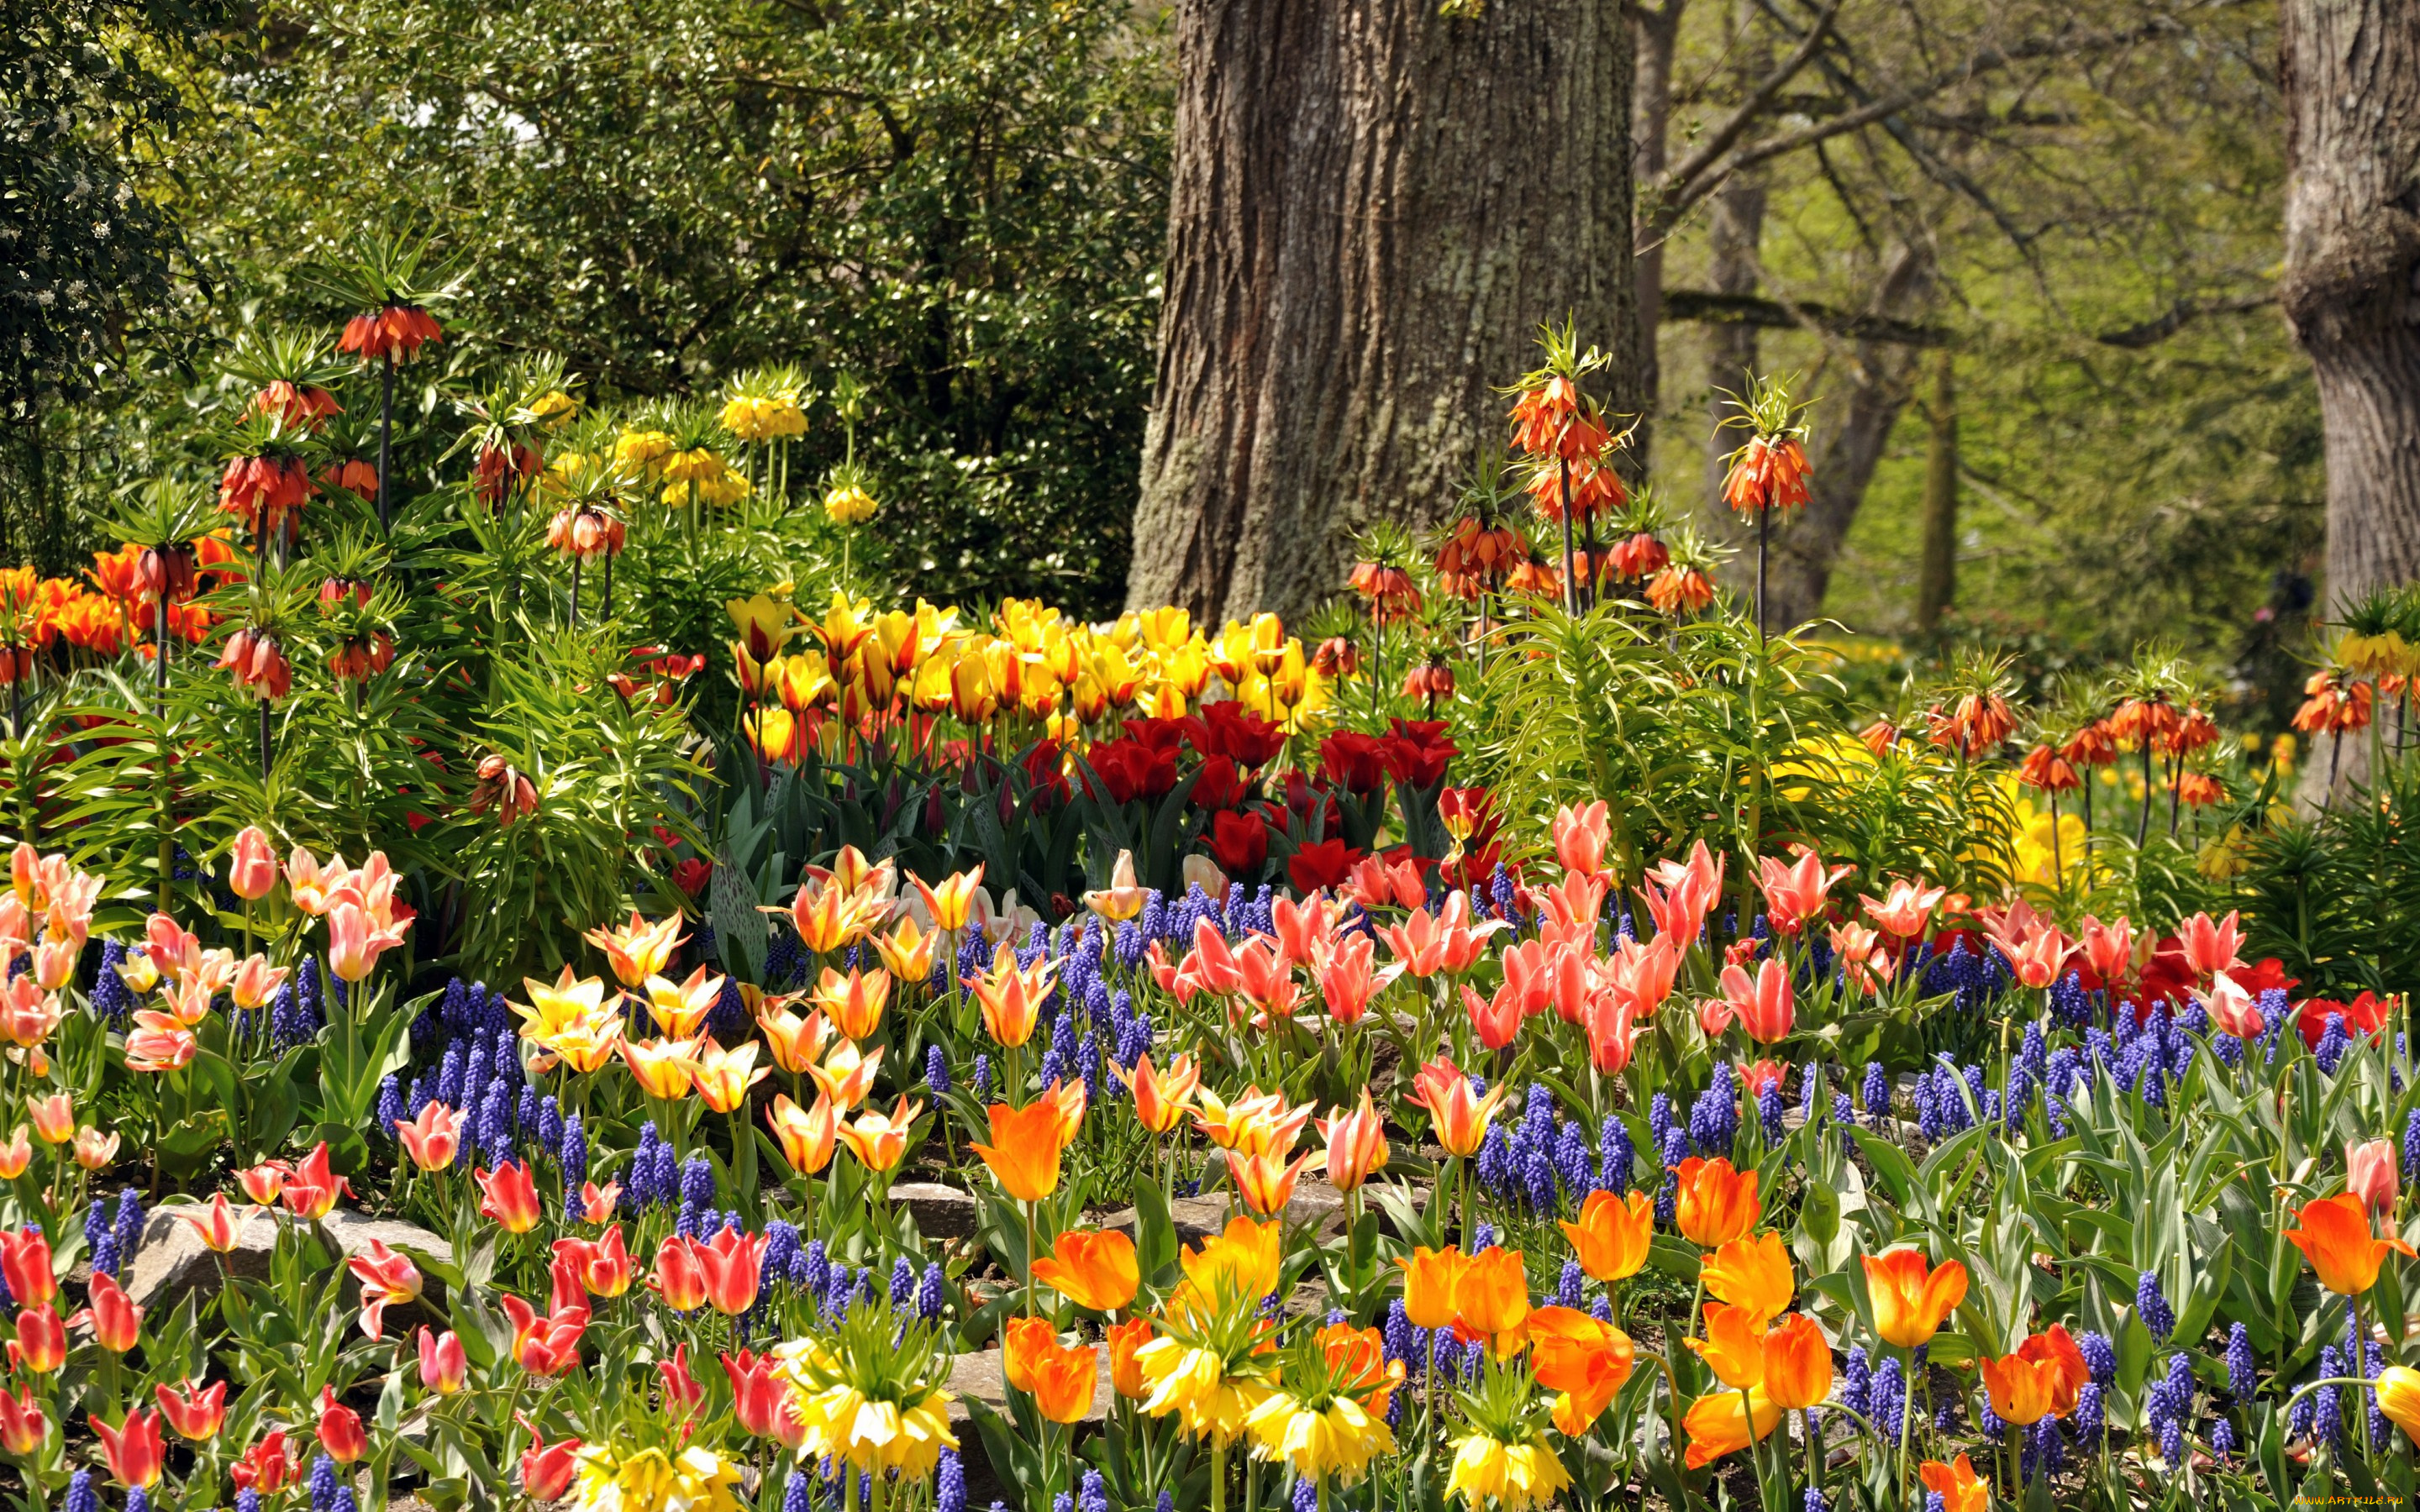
87,258
962,204
1375,205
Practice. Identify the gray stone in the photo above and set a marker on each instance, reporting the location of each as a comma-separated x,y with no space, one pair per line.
172,1259
941,1211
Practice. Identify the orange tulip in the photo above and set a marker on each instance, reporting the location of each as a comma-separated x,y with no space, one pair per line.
1797,1364
1025,1146
1585,1360
1492,1297
2057,1353
879,1140
1716,1204
661,1066
1461,1117
1911,1303
1430,1278
1752,1274
1723,1422
1022,1339
1012,996
1733,1346
638,949
907,951
1960,1489
680,1008
1094,1269
806,1137
1161,1097
1610,1238
2020,1389
507,1194
854,1003
2335,1239
1265,1183
953,901
797,1043
724,1077
846,1077
1125,1371
1356,1144
1064,1380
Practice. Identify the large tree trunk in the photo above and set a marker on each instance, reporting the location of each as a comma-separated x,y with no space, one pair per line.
1374,209
2351,71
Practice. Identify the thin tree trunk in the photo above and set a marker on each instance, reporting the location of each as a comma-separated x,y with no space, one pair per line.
1936,584
1374,207
1657,33
1852,431
1734,227
2350,71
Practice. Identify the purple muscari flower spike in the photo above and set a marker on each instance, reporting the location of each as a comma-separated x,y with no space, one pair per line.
983,1078
937,1071
2240,1376
1989,1424
1092,1495
2222,1440
903,1282
549,1124
1304,1498
2332,1044
2099,1357
2151,1306
323,1484
1395,1336
1876,1091
1856,1382
1616,1159
96,1232
930,1294
82,1497
1568,1287
1483,1238
2088,1422
1572,1160
1888,1396
128,1228
1768,1112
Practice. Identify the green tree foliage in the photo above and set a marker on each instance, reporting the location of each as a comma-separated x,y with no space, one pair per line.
961,203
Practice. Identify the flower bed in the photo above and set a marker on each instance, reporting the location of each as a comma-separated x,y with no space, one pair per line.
1520,1040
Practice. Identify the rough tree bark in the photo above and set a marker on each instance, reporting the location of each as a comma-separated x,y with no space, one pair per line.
1374,207
2350,71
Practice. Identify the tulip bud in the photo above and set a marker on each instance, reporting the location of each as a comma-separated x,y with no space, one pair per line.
341,1434
443,1368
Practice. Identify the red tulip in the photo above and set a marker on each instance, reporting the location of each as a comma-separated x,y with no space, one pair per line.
25,1265
41,1342
268,1467
134,1451
762,1400
341,1434
197,1414
730,1262
681,1389
546,1468
544,1344
680,1275
116,1322
509,1197
442,1369
23,1427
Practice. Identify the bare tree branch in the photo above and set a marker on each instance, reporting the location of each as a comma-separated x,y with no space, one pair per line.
2178,315
1720,140
1709,307
1704,174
